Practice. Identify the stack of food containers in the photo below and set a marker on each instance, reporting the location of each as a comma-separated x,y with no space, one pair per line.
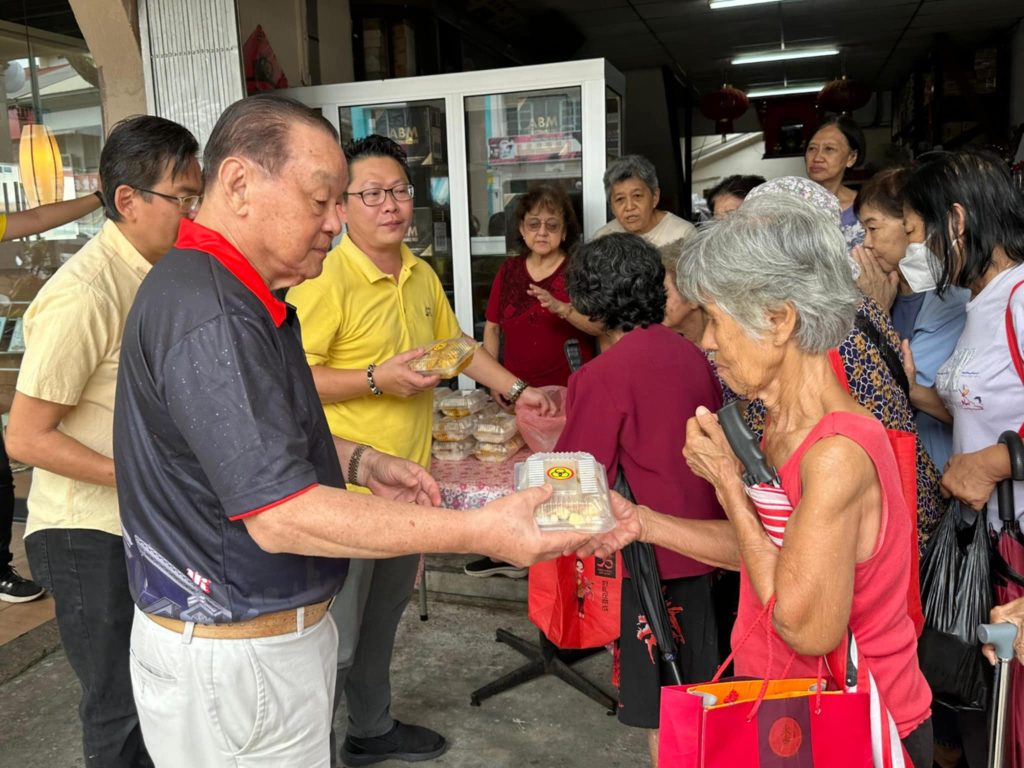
497,437
453,431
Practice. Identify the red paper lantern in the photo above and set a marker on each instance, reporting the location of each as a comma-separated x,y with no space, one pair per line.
723,106
843,96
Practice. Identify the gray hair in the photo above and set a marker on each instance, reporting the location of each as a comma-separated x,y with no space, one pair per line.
630,167
774,250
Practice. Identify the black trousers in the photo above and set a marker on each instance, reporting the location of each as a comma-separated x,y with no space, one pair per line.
85,572
6,507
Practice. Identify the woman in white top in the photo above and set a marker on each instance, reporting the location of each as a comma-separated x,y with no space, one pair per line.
631,185
974,224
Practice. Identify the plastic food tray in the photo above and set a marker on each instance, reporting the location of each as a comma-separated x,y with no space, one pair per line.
498,451
446,358
440,393
580,500
463,449
451,429
465,402
499,428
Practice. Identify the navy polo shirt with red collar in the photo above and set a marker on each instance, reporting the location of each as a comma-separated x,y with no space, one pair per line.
216,419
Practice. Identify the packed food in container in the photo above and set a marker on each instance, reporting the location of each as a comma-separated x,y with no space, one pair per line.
446,358
499,428
457,451
498,451
440,393
580,500
450,429
465,402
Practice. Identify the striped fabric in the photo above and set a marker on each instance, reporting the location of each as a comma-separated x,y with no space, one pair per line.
773,508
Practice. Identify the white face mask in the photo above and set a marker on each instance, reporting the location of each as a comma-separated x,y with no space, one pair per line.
916,267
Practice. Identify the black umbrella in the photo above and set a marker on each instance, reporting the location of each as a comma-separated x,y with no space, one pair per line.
643,573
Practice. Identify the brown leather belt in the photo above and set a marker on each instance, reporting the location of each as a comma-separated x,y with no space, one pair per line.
267,625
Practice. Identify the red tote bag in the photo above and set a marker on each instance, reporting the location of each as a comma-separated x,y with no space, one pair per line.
576,602
781,723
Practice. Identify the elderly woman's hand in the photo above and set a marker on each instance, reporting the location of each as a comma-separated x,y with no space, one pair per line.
1013,613
629,527
873,281
710,456
970,477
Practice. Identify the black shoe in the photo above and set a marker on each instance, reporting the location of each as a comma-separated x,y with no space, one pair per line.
487,567
411,743
16,589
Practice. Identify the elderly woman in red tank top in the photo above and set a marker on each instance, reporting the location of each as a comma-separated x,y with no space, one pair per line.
776,285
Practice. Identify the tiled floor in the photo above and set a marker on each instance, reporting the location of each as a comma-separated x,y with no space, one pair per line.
18,618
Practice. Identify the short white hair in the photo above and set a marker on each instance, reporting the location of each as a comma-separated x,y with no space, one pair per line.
775,249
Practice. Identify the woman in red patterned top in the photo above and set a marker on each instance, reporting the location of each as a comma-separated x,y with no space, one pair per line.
529,308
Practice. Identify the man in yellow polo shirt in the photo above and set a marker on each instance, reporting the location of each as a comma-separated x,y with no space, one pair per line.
15,588
371,311
62,417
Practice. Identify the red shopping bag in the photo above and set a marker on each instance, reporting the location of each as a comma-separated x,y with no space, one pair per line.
575,601
792,725
783,723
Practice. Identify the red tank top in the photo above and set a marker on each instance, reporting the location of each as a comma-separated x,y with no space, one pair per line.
878,616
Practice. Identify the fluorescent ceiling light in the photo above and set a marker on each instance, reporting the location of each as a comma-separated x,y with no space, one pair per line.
785,54
785,90
715,5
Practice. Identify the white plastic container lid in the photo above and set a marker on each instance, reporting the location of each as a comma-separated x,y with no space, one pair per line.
580,500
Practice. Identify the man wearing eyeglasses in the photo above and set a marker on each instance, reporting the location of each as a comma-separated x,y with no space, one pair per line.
61,420
371,311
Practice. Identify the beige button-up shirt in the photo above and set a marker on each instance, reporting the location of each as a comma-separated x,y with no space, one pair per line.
73,333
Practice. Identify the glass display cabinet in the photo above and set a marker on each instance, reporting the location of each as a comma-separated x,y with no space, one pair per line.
476,141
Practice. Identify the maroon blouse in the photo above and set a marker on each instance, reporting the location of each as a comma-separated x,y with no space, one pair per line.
630,405
534,338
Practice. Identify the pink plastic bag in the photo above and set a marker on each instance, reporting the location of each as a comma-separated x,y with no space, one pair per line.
542,432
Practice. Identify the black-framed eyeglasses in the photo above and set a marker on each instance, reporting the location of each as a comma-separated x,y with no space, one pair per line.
187,204
403,193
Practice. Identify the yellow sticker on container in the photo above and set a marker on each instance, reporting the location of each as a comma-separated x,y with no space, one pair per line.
561,473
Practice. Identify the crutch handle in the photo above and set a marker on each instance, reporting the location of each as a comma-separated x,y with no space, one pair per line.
1000,636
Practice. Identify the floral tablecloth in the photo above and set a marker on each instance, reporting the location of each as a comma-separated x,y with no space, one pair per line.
471,483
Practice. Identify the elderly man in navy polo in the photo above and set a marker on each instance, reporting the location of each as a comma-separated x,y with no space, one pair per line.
236,521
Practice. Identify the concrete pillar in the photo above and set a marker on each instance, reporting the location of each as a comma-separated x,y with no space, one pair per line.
111,30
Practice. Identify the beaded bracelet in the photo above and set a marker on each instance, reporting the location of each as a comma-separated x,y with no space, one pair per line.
377,391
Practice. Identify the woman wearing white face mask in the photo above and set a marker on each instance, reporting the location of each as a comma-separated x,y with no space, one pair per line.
896,272
974,222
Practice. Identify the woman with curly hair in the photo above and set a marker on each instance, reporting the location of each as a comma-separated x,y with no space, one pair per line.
629,407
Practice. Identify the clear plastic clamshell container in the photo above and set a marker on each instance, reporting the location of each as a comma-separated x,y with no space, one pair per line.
440,393
465,402
458,451
446,358
498,428
451,429
499,451
580,500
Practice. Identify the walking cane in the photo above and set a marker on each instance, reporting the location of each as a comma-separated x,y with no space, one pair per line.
1001,637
